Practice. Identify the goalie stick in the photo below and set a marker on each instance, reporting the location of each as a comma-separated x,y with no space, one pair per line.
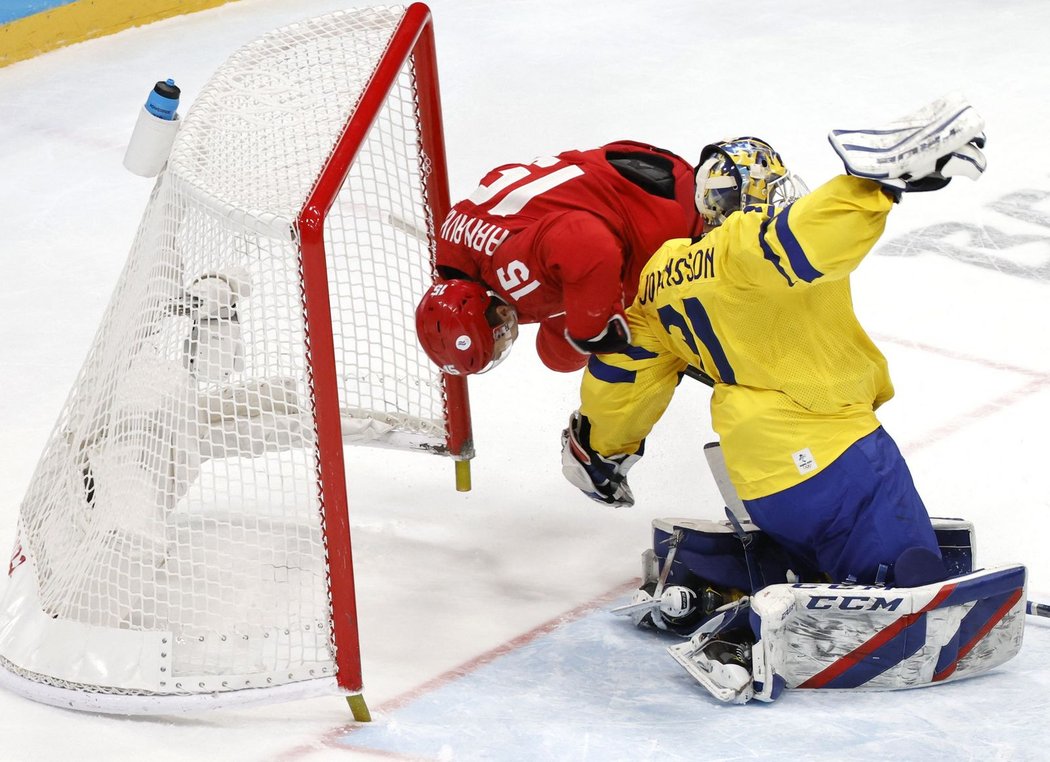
698,375
1034,608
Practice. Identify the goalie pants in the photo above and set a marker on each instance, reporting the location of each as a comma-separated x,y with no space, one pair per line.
855,518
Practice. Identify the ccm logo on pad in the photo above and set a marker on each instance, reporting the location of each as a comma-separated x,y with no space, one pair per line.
853,602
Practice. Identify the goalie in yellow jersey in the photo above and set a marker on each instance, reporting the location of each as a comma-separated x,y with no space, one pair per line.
762,305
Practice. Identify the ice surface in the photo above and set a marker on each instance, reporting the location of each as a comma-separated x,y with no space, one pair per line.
460,595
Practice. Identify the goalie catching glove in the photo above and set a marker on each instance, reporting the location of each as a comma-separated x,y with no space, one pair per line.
919,152
601,478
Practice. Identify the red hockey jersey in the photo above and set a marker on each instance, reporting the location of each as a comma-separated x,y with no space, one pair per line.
564,238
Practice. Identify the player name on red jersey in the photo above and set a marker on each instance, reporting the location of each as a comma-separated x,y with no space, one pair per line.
481,236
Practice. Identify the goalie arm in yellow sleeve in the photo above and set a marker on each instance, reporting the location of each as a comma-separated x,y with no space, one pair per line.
723,303
819,238
628,392
762,305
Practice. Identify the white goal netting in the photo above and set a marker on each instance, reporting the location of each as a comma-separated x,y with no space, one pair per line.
172,541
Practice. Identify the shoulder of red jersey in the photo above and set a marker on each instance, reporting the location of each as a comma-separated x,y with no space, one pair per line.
601,154
656,171
636,145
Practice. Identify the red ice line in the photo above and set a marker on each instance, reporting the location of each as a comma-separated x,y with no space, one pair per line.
478,661
1038,380
329,738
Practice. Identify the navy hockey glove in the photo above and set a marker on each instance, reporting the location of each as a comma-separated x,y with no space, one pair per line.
615,337
601,478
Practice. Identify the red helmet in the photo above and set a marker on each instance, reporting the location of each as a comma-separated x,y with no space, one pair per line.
462,329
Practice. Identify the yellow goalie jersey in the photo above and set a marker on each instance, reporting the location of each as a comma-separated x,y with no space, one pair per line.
762,304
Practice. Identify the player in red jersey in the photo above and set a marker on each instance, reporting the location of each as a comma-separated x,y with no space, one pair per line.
562,240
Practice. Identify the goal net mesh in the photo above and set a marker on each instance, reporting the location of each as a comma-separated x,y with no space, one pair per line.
172,539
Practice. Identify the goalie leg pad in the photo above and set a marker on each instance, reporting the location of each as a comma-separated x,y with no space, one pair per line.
872,638
860,637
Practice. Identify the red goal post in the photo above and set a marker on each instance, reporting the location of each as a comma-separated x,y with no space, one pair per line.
413,38
185,540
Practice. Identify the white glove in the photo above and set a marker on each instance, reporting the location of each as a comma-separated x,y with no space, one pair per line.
968,161
212,295
214,349
601,478
215,295
919,152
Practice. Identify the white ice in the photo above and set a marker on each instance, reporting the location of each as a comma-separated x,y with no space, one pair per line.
460,595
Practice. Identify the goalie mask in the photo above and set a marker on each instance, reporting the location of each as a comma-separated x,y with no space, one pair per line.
742,172
464,327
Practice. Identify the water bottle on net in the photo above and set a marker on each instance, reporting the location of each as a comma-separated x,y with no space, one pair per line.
154,133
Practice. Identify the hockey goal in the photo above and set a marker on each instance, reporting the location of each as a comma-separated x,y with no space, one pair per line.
184,542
